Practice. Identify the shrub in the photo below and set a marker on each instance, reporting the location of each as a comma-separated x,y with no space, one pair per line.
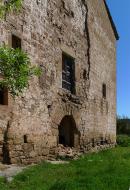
9,6
123,140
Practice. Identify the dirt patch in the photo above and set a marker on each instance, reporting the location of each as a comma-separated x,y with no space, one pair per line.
9,171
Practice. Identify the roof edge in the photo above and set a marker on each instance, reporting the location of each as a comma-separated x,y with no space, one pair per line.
111,21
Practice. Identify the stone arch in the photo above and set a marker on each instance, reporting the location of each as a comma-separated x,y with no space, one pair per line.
68,132
63,109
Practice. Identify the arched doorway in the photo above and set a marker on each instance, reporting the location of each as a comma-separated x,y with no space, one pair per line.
68,133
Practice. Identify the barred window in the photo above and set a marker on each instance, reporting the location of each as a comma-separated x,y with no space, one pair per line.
68,73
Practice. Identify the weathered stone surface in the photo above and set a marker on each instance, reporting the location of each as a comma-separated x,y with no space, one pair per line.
83,30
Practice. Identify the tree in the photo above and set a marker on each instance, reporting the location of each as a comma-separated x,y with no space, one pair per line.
15,65
16,69
123,125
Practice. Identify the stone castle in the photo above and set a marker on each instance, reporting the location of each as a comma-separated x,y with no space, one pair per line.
73,102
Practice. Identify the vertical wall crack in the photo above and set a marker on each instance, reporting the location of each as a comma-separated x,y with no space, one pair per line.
86,31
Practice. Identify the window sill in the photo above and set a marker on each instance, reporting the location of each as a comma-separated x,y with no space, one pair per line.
68,96
5,108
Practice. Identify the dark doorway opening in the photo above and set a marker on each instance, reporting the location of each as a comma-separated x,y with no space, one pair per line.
68,133
16,42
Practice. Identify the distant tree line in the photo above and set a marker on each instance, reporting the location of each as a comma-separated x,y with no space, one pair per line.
123,125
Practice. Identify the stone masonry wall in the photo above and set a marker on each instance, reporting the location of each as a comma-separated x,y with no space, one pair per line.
47,28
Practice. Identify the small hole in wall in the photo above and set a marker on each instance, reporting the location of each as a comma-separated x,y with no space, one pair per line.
49,109
25,139
84,74
72,14
102,141
49,106
93,142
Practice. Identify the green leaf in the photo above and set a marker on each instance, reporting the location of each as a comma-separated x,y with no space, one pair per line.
16,69
9,6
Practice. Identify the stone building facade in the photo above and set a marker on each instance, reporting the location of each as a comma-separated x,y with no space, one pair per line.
73,102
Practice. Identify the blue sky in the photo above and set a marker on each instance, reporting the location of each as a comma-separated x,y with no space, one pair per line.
120,11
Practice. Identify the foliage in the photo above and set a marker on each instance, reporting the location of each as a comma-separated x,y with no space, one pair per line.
16,69
123,125
123,140
107,170
9,6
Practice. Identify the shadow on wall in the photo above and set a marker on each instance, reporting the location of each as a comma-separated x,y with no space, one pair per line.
6,157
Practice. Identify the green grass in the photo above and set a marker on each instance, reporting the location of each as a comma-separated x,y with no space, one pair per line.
107,170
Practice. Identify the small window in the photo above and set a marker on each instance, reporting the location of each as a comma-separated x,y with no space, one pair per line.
3,96
68,73
25,139
16,42
104,90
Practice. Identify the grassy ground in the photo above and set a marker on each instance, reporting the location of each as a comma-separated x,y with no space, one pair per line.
108,170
